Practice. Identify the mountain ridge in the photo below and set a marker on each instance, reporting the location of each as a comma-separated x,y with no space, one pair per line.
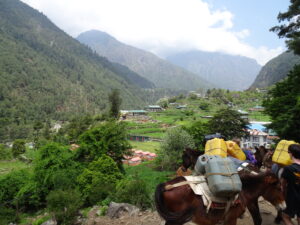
225,71
275,70
159,71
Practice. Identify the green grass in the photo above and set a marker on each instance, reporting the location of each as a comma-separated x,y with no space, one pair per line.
149,146
148,174
8,166
259,116
145,130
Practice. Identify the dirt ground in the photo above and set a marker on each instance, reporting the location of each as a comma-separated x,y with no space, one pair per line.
268,213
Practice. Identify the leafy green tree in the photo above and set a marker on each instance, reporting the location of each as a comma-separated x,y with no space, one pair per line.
163,102
99,179
172,146
290,29
204,106
76,127
18,147
229,123
198,130
115,103
283,105
109,138
47,130
55,168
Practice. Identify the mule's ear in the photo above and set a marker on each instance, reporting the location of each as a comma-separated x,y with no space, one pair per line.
270,179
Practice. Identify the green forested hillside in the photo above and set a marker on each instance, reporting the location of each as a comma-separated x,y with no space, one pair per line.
161,72
276,69
46,74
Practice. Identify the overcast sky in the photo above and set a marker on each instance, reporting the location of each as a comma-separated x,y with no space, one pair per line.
239,27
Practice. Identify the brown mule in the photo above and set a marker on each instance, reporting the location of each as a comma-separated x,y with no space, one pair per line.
180,205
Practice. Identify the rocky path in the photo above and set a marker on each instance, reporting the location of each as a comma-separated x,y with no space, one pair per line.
268,213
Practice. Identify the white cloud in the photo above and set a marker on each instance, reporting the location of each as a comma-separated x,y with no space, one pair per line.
159,26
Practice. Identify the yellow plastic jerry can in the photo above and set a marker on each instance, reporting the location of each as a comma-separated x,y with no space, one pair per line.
235,151
281,155
216,146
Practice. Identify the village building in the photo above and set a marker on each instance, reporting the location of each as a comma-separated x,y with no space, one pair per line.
154,108
198,95
74,147
207,117
181,107
256,138
152,156
244,114
134,161
145,155
56,127
257,109
137,153
140,138
133,112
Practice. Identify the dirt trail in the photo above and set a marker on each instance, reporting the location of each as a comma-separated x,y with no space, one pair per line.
268,213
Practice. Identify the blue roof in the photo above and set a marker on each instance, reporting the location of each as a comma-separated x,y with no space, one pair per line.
257,126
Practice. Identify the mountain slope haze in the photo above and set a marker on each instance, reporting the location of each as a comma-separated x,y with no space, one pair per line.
161,72
222,70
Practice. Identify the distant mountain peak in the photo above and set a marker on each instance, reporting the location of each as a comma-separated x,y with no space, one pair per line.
159,71
96,35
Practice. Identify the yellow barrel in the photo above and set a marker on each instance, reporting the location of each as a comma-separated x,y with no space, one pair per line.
281,155
216,146
235,151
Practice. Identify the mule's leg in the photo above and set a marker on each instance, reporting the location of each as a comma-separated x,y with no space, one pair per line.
254,211
278,218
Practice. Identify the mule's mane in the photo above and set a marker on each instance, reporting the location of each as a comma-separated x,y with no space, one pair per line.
249,180
192,152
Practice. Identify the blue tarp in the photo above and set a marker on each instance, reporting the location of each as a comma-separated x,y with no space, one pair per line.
257,126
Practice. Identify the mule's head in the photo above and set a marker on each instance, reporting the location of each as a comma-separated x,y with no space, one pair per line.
189,157
186,159
273,192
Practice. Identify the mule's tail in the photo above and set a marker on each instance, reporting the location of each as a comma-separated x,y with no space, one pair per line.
168,216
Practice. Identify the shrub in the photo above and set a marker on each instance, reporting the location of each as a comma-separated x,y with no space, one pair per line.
7,215
172,146
133,191
103,210
54,168
10,184
64,205
204,106
41,220
28,196
5,153
18,147
99,179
